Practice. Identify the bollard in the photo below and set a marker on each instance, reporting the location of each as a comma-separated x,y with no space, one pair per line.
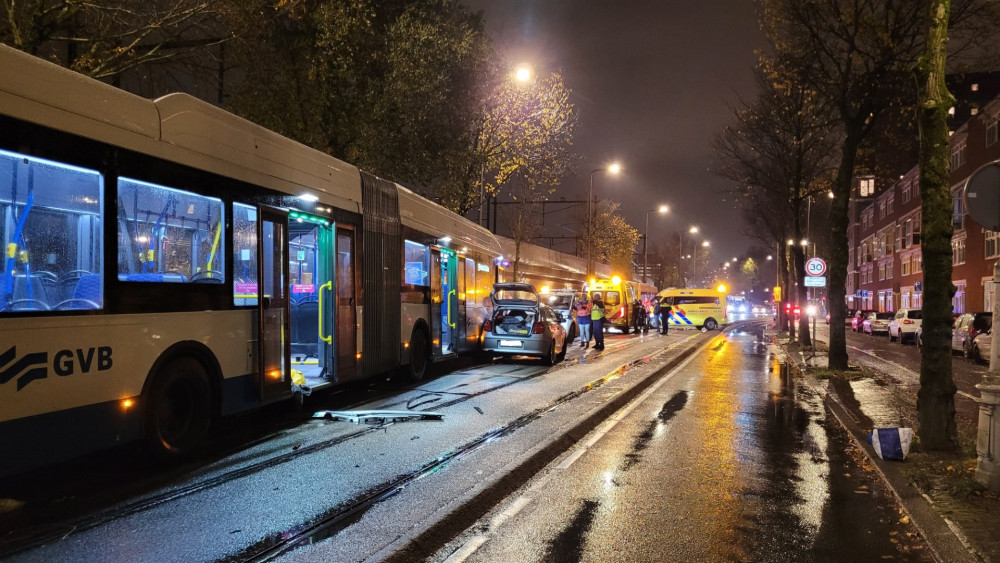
988,436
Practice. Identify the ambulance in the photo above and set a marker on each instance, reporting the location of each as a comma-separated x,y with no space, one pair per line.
696,308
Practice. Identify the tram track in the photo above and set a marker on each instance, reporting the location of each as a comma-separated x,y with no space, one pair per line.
340,517
19,541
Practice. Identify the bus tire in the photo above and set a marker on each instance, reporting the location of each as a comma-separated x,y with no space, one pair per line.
710,324
178,409
417,367
625,329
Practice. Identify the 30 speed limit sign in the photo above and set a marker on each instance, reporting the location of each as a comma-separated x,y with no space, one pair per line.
815,267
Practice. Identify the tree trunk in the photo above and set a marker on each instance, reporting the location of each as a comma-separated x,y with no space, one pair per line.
786,287
798,252
838,245
936,398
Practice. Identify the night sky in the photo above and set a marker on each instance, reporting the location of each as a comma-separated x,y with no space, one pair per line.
653,81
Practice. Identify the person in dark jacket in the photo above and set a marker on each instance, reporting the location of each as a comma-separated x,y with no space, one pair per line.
665,317
597,323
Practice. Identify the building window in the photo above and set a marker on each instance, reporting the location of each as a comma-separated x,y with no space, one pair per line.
958,154
991,131
907,190
958,252
988,291
888,270
992,243
917,263
889,203
957,210
881,210
958,301
881,271
904,266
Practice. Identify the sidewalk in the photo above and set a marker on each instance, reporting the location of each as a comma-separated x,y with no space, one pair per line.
957,518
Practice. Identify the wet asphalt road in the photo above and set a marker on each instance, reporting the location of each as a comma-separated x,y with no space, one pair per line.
727,459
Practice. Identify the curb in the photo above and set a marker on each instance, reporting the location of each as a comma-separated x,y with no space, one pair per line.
943,537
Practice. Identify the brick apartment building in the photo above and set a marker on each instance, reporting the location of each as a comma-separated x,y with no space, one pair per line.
885,270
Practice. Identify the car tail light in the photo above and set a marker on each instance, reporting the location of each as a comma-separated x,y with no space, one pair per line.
488,326
538,328
907,322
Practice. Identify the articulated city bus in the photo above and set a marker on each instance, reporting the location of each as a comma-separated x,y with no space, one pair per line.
168,263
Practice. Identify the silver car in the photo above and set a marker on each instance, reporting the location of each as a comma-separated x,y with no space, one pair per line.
562,301
522,325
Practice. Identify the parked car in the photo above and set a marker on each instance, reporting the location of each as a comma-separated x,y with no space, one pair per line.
904,324
980,351
876,322
522,325
562,301
965,329
859,317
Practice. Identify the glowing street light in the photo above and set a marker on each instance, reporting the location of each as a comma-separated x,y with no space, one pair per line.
523,73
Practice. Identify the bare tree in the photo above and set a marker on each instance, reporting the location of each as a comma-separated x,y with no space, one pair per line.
778,152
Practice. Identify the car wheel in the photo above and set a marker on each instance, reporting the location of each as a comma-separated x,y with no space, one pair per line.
551,359
967,351
891,338
710,324
974,353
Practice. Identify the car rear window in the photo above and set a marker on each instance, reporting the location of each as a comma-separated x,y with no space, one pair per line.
612,298
558,301
514,295
884,315
914,314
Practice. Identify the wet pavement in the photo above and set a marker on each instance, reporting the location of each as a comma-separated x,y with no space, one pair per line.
730,458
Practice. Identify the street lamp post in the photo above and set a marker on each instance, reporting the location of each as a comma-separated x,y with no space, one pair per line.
694,275
645,240
614,169
680,244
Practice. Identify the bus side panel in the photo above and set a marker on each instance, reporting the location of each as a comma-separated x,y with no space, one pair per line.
63,379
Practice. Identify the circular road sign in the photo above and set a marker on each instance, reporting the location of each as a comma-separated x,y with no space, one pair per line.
815,267
982,195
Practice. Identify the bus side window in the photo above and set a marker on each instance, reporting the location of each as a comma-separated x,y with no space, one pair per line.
50,214
245,286
168,235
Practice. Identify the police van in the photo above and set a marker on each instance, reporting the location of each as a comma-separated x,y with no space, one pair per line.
697,308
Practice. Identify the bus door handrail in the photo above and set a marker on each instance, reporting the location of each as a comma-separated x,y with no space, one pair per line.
327,339
450,322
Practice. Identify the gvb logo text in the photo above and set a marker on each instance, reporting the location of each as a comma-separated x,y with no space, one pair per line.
34,366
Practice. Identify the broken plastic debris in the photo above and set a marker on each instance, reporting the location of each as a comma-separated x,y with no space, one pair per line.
377,417
891,443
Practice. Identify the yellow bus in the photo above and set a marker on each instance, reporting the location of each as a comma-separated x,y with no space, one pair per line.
701,308
618,296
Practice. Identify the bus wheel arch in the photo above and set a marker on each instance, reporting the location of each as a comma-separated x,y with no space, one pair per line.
181,398
420,354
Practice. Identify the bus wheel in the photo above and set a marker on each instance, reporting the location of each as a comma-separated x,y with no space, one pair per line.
710,324
625,329
418,355
179,409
